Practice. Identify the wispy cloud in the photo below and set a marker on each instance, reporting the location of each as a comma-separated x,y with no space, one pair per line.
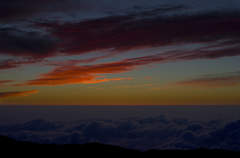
16,63
64,63
5,81
121,33
135,86
90,73
19,62
78,74
125,32
4,95
106,79
213,80
218,30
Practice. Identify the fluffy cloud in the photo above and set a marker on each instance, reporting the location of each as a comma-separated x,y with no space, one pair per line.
137,133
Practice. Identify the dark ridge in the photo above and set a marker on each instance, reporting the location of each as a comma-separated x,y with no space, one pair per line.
13,147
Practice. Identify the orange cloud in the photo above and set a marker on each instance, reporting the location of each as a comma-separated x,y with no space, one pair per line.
213,80
79,74
4,95
72,74
82,74
105,79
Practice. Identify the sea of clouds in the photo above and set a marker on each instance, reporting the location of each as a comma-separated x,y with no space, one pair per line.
133,132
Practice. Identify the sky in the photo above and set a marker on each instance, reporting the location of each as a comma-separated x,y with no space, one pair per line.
99,54
119,52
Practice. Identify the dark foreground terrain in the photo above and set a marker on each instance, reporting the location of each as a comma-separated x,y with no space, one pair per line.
13,147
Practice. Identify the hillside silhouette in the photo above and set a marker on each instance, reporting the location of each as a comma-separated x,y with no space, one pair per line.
13,147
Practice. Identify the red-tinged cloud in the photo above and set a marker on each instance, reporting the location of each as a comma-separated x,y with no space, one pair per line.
78,74
83,74
53,80
121,33
213,80
92,73
4,95
16,41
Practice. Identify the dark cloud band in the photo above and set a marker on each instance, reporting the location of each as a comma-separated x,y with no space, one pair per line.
121,33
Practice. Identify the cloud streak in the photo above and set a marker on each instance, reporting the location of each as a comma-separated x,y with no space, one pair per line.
218,31
5,81
213,80
16,63
67,63
106,79
90,73
4,95
79,74
122,33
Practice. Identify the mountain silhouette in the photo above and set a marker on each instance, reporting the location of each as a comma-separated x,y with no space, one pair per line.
13,147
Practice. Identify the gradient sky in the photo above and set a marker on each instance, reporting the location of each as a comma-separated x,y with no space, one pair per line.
110,52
